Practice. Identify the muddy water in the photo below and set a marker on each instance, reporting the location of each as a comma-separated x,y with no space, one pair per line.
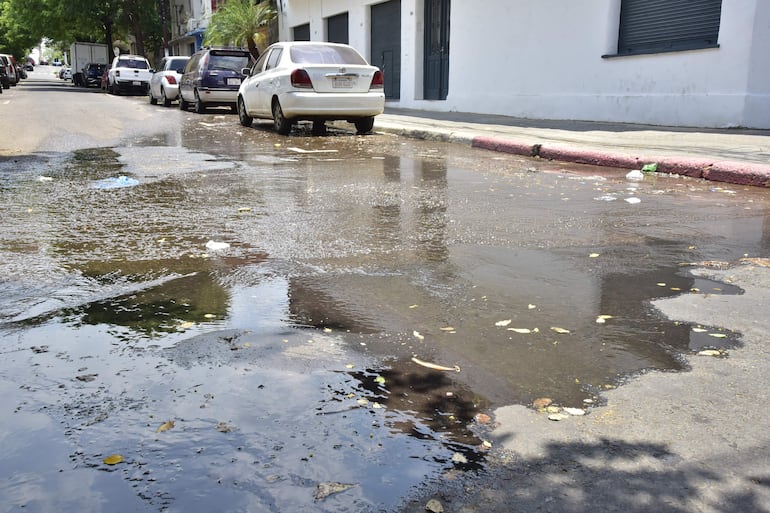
284,360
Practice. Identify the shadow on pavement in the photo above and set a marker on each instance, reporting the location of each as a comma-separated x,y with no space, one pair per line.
605,476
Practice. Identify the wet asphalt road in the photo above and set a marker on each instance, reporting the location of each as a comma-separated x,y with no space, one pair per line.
284,360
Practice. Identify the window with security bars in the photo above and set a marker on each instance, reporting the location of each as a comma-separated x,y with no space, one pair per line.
656,26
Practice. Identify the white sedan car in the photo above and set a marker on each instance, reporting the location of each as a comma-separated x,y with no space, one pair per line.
164,84
313,81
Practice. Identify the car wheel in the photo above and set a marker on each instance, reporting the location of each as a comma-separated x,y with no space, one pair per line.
243,117
153,100
166,101
364,125
281,124
183,104
200,107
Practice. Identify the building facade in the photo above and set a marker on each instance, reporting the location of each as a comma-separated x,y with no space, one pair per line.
189,19
675,63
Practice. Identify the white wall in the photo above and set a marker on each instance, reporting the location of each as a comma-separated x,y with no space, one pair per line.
543,59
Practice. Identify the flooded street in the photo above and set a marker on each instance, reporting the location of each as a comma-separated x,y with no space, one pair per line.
243,318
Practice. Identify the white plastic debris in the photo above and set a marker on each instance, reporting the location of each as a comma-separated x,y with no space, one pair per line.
635,175
216,246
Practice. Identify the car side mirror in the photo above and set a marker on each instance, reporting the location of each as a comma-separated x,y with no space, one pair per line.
246,72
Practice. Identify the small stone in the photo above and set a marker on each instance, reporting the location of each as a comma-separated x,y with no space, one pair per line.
483,418
434,506
575,412
558,416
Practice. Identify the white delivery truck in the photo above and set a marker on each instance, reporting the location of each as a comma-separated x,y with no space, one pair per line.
83,54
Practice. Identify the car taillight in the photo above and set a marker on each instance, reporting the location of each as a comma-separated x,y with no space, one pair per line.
300,79
171,79
378,80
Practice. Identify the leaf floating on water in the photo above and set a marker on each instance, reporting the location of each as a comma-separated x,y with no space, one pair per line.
418,335
531,306
323,490
434,366
380,380
447,328
710,352
717,335
503,323
660,284
520,330
349,366
593,255
113,459
559,330
165,426
699,330
412,306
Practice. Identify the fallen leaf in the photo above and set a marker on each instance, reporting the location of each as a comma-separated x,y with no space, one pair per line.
503,323
113,459
709,352
542,402
520,330
323,490
531,306
165,426
575,412
661,284
559,330
699,330
418,335
380,380
224,427
593,255
717,335
447,328
349,366
482,418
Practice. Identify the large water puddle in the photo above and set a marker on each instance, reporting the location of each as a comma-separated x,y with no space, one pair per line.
255,330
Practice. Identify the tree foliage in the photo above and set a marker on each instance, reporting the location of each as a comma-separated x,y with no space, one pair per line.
241,22
24,23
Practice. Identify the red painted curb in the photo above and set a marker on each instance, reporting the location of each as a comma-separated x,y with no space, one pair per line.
739,173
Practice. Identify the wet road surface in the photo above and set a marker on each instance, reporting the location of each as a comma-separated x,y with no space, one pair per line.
284,359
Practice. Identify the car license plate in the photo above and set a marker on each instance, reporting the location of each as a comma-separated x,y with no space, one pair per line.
342,82
136,83
233,81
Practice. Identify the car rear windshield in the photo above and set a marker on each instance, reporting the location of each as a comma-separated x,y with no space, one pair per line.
324,54
177,63
132,63
230,61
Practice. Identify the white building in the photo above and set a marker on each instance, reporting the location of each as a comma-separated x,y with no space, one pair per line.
701,63
189,19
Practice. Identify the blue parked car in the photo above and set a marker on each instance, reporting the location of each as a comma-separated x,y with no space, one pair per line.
212,78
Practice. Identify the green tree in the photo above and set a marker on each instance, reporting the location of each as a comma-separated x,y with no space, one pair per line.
241,22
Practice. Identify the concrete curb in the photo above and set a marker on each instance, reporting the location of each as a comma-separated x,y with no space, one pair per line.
740,173
727,171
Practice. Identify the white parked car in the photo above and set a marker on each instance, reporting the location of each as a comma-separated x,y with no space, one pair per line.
315,81
164,84
128,73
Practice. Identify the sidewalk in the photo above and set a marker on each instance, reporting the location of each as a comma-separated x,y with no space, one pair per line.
735,156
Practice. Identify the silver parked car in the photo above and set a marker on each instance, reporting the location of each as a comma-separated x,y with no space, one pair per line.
164,84
314,81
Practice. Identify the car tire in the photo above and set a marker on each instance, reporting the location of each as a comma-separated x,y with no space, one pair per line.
364,125
243,117
200,107
280,123
183,104
153,100
166,101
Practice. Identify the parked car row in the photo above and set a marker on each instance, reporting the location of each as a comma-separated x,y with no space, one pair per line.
290,82
11,72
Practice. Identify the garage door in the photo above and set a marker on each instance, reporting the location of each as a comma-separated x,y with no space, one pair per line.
386,44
